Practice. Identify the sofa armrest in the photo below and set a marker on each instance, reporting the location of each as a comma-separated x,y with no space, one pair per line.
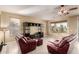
53,47
32,42
54,44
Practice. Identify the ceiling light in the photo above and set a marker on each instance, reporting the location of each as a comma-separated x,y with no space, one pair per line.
62,11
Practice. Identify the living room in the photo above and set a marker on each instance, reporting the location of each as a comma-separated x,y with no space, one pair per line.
44,24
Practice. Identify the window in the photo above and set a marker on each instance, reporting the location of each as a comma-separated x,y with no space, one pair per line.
59,27
14,26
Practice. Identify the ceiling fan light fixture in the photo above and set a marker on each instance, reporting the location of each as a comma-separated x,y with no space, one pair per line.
63,11
59,13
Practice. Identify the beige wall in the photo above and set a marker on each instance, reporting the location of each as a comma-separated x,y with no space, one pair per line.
5,18
72,24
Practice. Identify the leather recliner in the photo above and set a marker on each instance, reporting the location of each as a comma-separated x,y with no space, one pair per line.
39,41
61,47
26,45
52,48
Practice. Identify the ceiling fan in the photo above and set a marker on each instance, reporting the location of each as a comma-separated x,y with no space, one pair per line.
64,11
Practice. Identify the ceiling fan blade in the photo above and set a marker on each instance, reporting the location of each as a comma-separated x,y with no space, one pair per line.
73,8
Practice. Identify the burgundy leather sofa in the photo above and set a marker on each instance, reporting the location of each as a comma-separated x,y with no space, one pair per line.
62,46
26,45
39,41
54,49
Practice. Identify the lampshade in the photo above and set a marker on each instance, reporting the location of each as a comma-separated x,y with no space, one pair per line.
3,29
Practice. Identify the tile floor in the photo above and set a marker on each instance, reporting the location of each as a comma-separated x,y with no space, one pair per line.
12,47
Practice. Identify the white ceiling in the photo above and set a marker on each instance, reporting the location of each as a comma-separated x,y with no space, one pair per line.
46,12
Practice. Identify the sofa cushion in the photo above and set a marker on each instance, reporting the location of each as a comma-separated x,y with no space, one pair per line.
24,40
57,45
52,46
19,36
70,37
66,37
62,43
28,38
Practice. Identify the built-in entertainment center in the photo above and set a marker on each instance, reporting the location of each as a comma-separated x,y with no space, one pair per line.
33,30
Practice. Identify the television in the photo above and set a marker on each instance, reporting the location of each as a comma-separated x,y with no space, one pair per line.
33,30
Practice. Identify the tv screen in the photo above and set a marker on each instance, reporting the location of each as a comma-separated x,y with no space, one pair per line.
33,30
